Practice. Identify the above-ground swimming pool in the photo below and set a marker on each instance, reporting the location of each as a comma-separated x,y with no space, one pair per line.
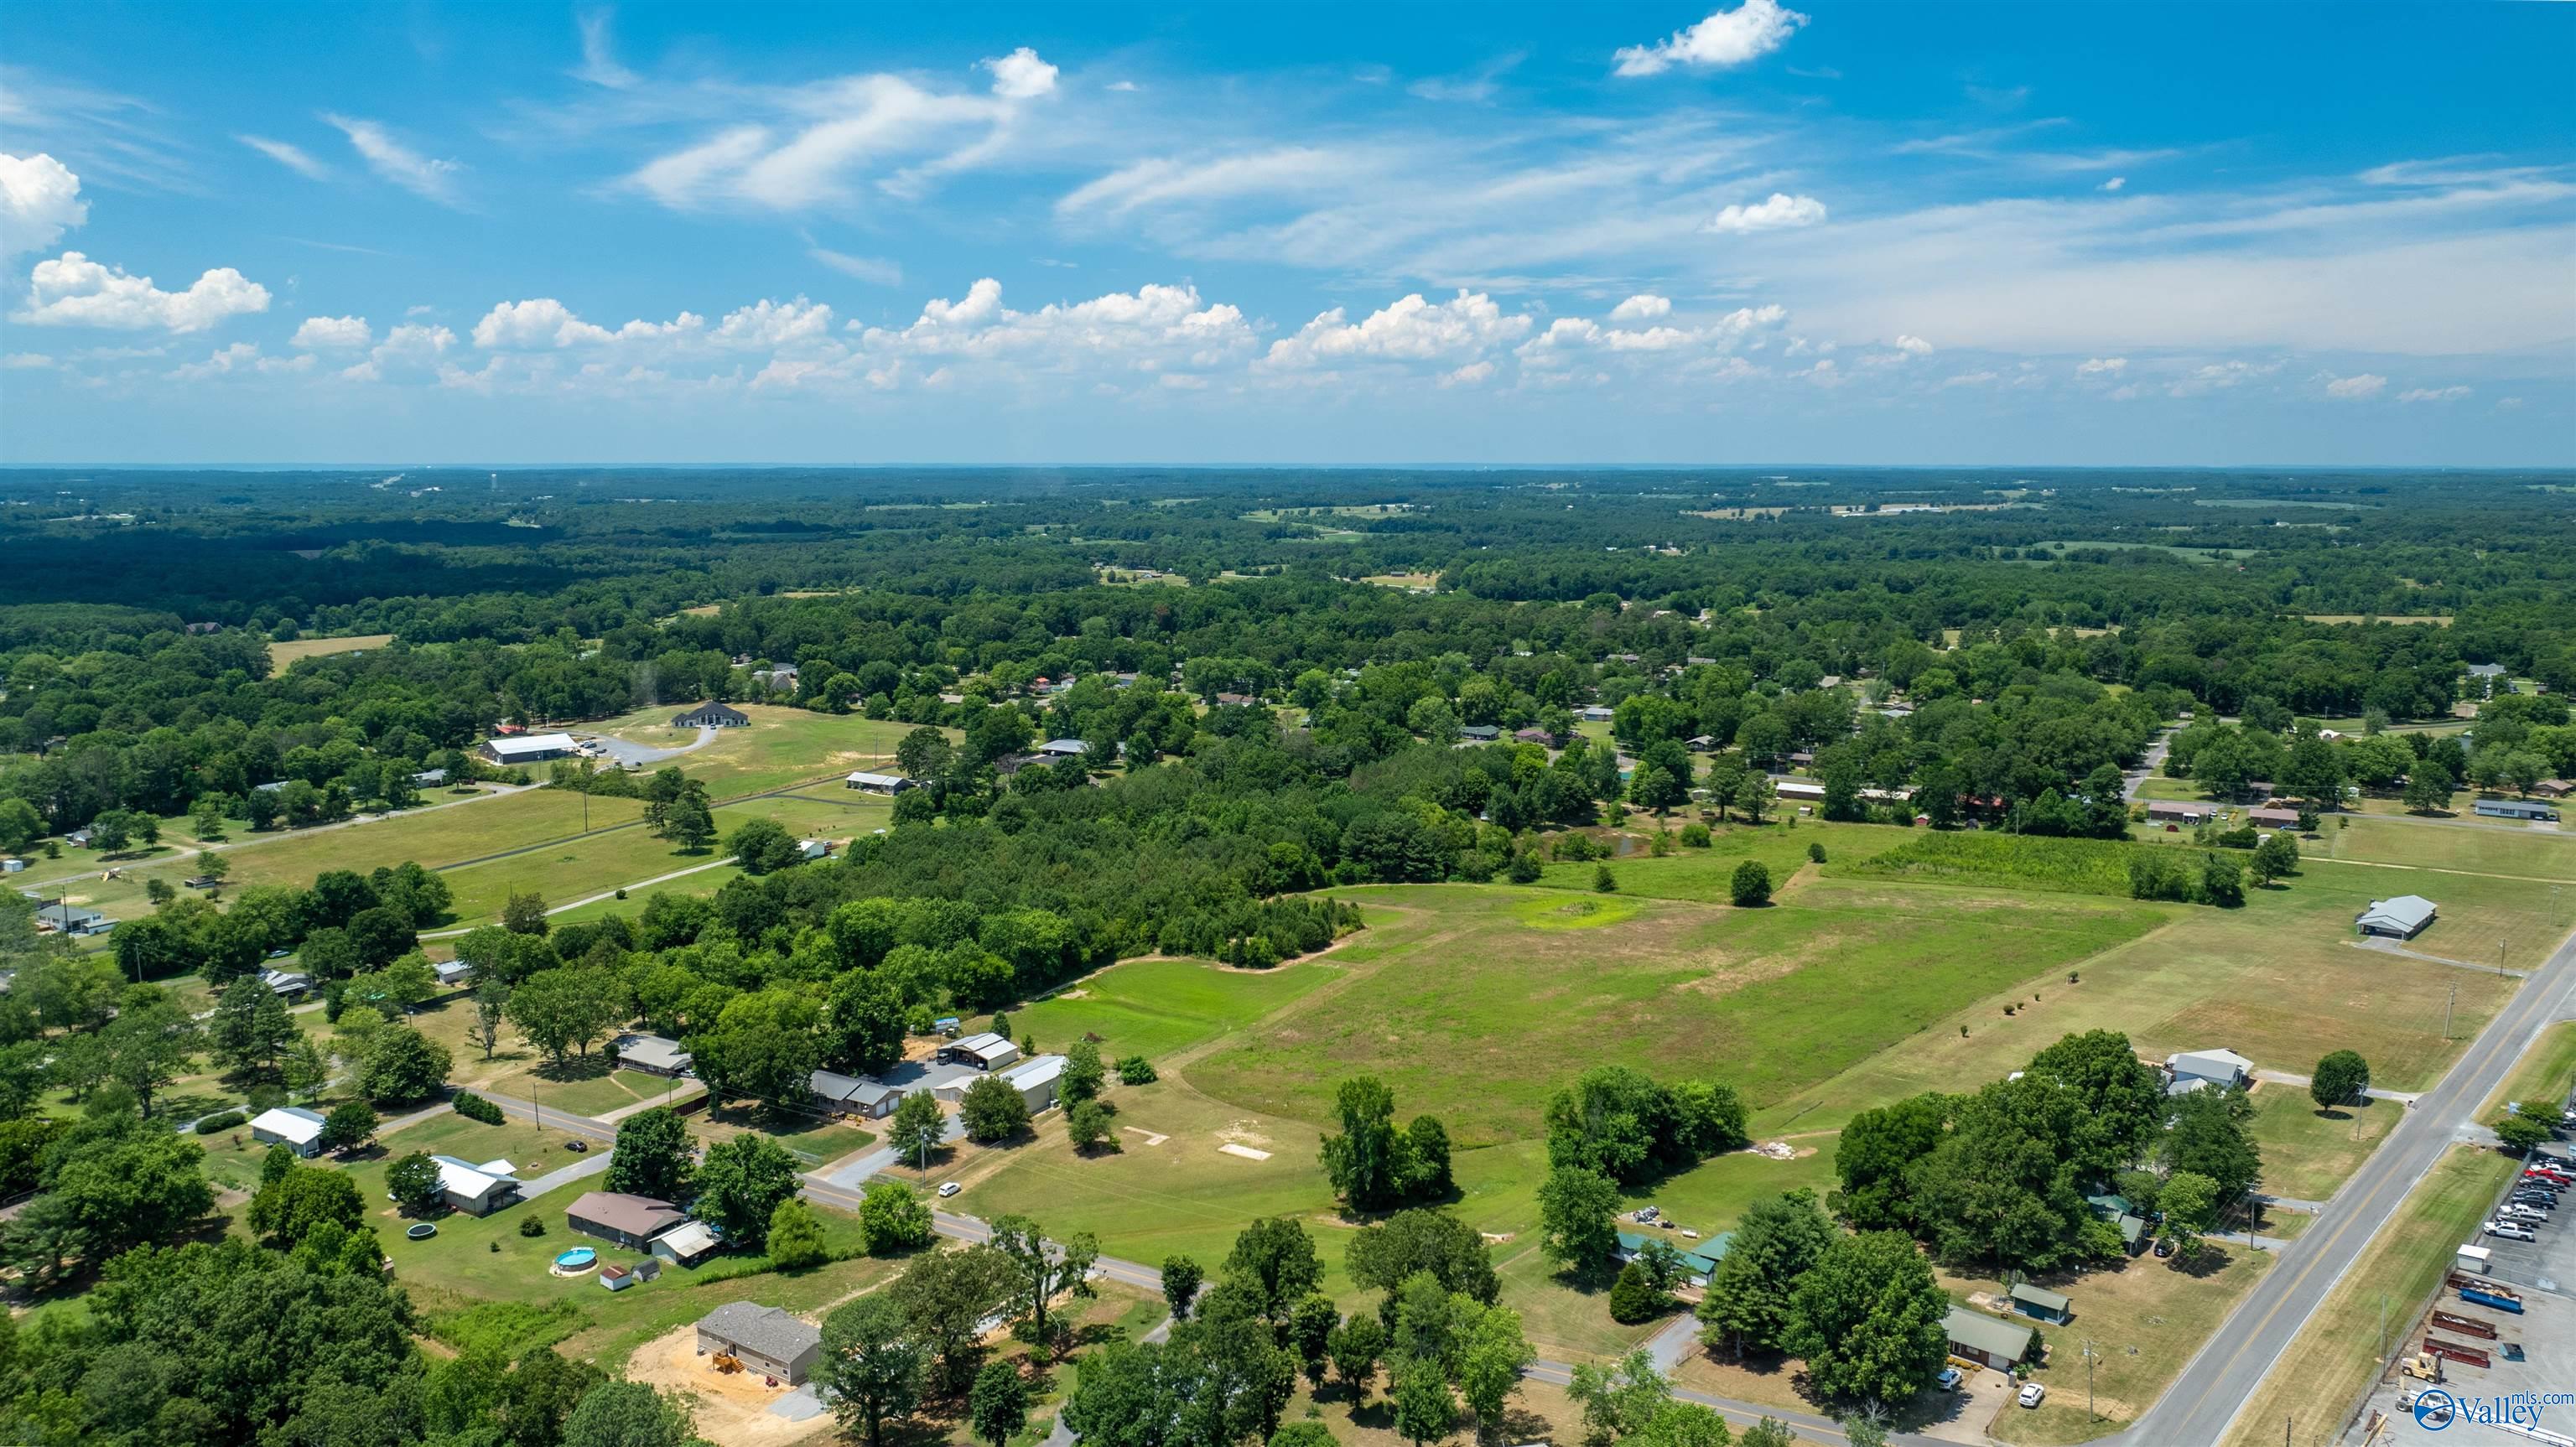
577,1258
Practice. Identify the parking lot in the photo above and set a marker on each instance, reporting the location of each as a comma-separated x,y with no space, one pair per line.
2543,1274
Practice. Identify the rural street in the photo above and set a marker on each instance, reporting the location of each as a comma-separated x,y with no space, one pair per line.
2206,1398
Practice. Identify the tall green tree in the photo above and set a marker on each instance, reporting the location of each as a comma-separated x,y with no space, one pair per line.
1747,1303
655,1156
1576,1210
1867,1319
740,1185
871,1366
1365,1160
1041,1271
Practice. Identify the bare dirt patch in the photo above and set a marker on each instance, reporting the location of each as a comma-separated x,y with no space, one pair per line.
732,1407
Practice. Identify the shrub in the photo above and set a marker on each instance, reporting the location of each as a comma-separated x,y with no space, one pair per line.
1603,881
224,1121
475,1107
1135,1070
1524,868
1694,836
1633,1298
1815,854
532,1224
1751,885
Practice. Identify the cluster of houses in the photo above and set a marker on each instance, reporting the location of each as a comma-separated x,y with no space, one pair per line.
958,1065
477,1189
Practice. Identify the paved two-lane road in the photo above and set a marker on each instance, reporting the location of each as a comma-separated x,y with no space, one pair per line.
2214,1388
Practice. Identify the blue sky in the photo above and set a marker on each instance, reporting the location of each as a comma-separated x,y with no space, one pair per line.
1803,231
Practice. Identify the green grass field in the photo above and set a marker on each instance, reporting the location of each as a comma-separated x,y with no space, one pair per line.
2544,1075
1477,1015
1156,1007
2307,1152
782,746
283,656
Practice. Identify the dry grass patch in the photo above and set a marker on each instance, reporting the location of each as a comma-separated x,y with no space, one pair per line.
283,656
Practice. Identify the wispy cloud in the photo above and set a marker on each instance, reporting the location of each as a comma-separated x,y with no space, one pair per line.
429,178
598,56
874,270
292,157
1725,39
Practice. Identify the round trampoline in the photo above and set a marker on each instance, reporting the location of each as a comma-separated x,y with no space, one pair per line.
422,1231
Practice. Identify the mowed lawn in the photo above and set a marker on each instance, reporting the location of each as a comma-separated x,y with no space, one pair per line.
1476,1009
2276,981
782,746
1707,875
597,863
2512,851
282,656
2307,1152
2544,1075
1156,1007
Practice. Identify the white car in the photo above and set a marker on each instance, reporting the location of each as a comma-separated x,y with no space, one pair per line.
2032,1394
2511,1231
1950,1379
948,1188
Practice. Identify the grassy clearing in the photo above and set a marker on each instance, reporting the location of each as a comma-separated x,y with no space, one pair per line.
1416,582
2273,981
596,863
782,746
1707,875
283,656
1476,1014
2543,1076
1155,1007
2541,854
2307,1152
815,1139
2004,861
2317,1380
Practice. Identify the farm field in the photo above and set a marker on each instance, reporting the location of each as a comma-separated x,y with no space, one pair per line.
2321,1375
1157,1007
283,656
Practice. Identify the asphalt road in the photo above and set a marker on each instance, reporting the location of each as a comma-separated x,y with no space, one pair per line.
2205,1400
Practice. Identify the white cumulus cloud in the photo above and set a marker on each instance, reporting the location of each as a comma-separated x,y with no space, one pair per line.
2114,184
39,201
333,332
72,290
2434,394
1779,213
2357,387
1020,75
1643,307
1913,346
2101,366
1725,39
1408,330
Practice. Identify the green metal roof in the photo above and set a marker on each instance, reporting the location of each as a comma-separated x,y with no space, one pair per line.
2041,1297
1991,1336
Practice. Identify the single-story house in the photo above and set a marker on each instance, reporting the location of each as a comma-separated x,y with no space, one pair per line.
777,678
1037,1080
652,1054
476,1190
289,983
1801,757
1480,733
1235,700
1991,1340
291,1126
618,1278
1533,736
71,919
765,1338
12,864
529,749
2041,1302
2175,811
78,838
2109,1204
2192,1070
2489,677
2402,918
1700,743
2270,818
2515,809
430,778
1699,1260
1595,713
853,1095
454,972
686,1244
1064,748
2133,1231
713,716
987,1051
2553,788
1787,788
627,1220
812,849
879,783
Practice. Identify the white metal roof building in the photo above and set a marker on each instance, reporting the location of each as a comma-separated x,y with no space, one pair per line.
654,1054
2401,918
475,1190
1037,1081
987,1051
292,1126
528,748
879,783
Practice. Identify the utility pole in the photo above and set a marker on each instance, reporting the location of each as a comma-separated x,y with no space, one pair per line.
2446,1009
2089,1354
